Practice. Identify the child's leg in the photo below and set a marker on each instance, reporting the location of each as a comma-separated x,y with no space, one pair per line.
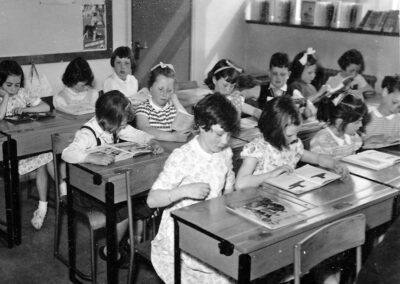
62,174
42,180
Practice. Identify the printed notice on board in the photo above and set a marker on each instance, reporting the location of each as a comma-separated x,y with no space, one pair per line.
94,26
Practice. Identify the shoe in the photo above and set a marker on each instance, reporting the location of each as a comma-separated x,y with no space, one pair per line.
121,262
38,219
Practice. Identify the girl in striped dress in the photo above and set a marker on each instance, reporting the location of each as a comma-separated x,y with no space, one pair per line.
344,115
155,115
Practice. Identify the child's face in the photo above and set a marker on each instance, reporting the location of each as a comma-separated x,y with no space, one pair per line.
122,67
352,127
279,76
12,84
222,86
291,133
351,70
308,73
161,90
214,140
80,87
392,101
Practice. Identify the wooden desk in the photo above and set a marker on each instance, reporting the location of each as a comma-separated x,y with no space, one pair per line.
107,185
27,139
246,251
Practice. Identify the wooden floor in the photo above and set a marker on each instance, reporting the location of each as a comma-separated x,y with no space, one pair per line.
33,261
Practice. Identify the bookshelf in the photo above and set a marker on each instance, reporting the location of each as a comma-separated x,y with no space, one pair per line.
356,31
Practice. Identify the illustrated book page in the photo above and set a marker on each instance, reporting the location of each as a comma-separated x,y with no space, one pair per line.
122,151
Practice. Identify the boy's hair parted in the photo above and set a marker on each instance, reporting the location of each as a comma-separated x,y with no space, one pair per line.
277,114
226,69
78,70
124,52
391,83
297,67
216,109
111,109
166,70
9,68
342,106
279,59
352,56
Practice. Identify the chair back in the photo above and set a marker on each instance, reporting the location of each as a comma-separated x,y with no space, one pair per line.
327,241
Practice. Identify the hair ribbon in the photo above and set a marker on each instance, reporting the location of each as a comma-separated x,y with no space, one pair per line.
163,65
229,66
303,59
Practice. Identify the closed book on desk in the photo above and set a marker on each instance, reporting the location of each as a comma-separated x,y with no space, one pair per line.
29,116
269,211
303,179
372,159
122,151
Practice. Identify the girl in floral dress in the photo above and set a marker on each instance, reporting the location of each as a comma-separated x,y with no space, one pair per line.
14,100
201,169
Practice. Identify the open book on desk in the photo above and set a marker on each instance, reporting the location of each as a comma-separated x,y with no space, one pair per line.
122,151
303,179
372,159
342,86
182,121
269,211
29,116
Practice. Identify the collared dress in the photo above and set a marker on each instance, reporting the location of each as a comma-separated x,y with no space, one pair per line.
159,117
69,101
189,164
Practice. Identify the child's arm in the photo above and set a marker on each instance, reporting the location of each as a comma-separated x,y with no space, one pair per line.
41,107
165,197
318,95
250,110
142,123
325,161
3,104
245,177
252,93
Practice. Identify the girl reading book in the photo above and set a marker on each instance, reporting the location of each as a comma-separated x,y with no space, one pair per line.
344,115
199,170
279,149
16,100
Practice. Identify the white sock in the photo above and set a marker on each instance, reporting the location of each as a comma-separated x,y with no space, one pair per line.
42,206
63,188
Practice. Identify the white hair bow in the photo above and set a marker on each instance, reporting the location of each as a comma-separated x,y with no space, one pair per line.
303,59
163,65
230,66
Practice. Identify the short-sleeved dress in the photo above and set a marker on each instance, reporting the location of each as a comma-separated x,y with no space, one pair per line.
189,164
326,142
159,117
269,157
24,98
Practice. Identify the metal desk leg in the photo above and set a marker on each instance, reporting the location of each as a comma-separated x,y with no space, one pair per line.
112,246
177,254
15,191
8,194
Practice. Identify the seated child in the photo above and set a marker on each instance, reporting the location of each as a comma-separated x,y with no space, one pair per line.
78,95
303,70
113,112
383,128
279,149
352,65
222,79
199,170
344,115
156,114
14,99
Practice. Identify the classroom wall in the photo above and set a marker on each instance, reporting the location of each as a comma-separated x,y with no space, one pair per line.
218,31
101,67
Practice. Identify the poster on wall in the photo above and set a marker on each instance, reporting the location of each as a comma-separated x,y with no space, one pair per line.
94,26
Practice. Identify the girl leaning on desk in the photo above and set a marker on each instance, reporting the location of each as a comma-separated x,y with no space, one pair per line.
16,100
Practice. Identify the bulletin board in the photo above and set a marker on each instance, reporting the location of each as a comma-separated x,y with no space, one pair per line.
46,31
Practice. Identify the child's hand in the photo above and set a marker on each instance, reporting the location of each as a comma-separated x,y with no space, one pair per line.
18,110
324,89
182,136
341,170
197,190
157,149
3,93
281,170
100,159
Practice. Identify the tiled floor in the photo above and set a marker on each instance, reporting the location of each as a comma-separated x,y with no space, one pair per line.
33,261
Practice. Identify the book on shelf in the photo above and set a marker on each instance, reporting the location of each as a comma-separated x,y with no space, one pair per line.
269,211
303,179
307,13
373,159
392,22
183,121
323,13
381,22
364,20
344,15
122,151
372,21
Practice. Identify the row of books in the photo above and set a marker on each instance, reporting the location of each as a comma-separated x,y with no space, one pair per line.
381,21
